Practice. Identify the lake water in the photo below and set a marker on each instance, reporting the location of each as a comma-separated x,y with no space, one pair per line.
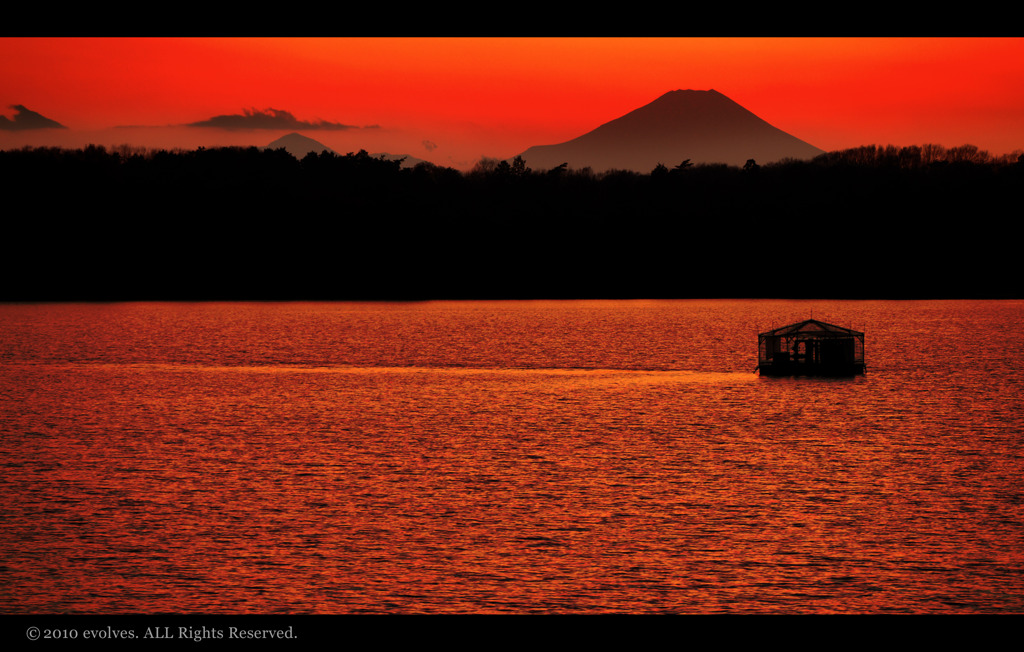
507,457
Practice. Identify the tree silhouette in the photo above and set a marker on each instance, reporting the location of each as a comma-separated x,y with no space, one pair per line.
254,223
558,170
519,168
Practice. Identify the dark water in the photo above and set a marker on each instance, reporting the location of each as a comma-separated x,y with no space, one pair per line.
506,457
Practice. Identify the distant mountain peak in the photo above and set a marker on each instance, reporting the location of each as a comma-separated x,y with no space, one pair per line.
703,126
298,145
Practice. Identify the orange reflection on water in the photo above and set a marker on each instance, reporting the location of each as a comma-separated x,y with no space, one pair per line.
297,478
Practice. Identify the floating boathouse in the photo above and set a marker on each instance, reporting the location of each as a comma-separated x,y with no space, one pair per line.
810,348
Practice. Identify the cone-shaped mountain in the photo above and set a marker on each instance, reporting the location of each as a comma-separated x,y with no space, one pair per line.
703,126
298,145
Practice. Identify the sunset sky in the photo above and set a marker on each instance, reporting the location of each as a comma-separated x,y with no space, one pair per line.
454,100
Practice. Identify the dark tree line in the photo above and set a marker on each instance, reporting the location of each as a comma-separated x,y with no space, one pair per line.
247,223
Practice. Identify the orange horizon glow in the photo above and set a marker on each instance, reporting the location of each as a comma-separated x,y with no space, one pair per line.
454,100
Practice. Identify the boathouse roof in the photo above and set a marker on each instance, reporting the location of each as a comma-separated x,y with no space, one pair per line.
812,327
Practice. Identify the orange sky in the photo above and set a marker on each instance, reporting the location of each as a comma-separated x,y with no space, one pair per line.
454,100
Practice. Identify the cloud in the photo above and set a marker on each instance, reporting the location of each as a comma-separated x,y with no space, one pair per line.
429,145
267,119
26,119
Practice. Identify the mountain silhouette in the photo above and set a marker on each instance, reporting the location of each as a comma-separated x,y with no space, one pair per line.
298,145
702,126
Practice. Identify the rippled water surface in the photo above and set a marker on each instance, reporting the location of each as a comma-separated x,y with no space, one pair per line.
506,457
